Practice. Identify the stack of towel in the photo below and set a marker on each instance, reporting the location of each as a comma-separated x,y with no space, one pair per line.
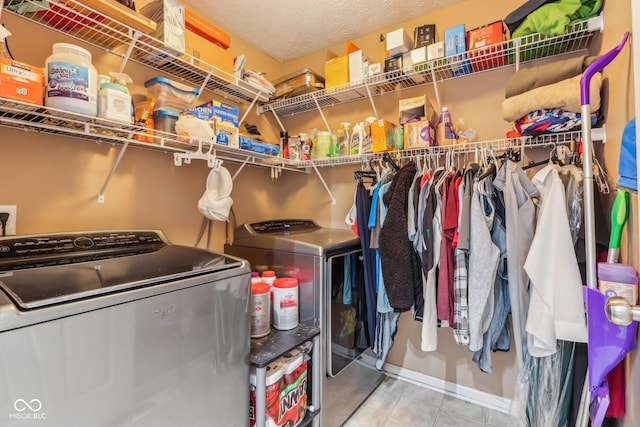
546,98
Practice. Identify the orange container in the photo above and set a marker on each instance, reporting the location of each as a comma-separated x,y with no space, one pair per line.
206,29
485,46
21,82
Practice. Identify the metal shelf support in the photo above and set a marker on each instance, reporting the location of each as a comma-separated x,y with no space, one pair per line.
113,170
134,38
324,119
324,184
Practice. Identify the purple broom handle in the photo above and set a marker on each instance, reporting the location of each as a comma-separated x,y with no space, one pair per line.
596,66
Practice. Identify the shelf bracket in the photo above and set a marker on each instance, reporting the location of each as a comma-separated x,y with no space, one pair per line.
278,120
246,160
373,105
516,43
246,113
113,169
435,84
206,79
127,55
326,123
326,187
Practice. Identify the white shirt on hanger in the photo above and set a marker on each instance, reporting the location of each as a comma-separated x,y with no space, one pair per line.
556,308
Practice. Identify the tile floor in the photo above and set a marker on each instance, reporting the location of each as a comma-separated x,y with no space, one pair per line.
397,403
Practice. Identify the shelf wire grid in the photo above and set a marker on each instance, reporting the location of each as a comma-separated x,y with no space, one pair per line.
53,121
531,47
90,26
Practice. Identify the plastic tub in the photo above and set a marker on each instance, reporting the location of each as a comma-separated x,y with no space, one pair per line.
71,81
165,120
170,95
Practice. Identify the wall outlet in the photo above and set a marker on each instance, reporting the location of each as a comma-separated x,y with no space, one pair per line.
12,210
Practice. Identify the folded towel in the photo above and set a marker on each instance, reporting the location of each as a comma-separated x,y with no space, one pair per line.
530,78
564,94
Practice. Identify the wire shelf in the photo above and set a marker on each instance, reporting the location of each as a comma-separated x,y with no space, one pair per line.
491,57
496,145
90,26
47,120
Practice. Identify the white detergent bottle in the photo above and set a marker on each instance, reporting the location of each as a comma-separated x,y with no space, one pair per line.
355,147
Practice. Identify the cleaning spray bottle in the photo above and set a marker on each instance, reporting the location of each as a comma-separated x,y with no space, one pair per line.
114,99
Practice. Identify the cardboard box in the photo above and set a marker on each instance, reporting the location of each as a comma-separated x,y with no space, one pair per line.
435,51
210,110
398,41
203,28
226,134
424,35
169,15
419,134
485,46
418,56
202,53
336,71
21,82
393,63
418,107
382,136
356,67
455,48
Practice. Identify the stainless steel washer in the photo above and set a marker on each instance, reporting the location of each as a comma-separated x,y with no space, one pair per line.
121,328
328,266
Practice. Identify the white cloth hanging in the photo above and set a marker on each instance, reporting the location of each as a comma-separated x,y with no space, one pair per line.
556,309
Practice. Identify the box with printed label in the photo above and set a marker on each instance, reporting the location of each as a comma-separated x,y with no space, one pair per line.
336,71
21,82
419,134
382,136
485,46
455,48
393,63
204,54
424,35
227,113
226,134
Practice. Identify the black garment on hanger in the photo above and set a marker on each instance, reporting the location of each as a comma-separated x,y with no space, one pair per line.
363,206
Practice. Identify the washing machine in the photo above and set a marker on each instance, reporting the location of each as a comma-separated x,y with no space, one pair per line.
121,328
328,265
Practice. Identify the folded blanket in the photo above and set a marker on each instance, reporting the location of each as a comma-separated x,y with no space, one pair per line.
564,95
530,78
549,121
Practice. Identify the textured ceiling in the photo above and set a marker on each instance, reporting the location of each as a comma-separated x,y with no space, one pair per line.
289,29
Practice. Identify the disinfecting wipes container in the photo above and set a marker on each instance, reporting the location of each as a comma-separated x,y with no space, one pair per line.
285,303
71,80
260,309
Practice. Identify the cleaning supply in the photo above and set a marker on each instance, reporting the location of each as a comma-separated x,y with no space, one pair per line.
445,135
71,81
355,146
114,99
619,215
344,137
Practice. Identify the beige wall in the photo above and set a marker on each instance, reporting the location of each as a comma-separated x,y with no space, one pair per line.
55,181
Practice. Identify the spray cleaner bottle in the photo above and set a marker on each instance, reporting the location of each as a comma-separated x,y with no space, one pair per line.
114,99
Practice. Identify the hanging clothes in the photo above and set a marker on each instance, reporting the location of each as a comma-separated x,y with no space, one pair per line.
483,263
556,308
401,265
518,191
363,206
498,333
431,233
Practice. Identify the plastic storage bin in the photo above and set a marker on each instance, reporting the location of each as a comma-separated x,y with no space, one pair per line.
170,95
165,120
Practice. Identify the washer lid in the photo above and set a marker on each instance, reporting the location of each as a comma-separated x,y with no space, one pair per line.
36,287
303,236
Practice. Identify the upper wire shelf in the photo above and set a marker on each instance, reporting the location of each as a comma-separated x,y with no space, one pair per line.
77,20
522,49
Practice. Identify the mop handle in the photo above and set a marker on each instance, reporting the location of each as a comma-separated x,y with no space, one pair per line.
597,66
